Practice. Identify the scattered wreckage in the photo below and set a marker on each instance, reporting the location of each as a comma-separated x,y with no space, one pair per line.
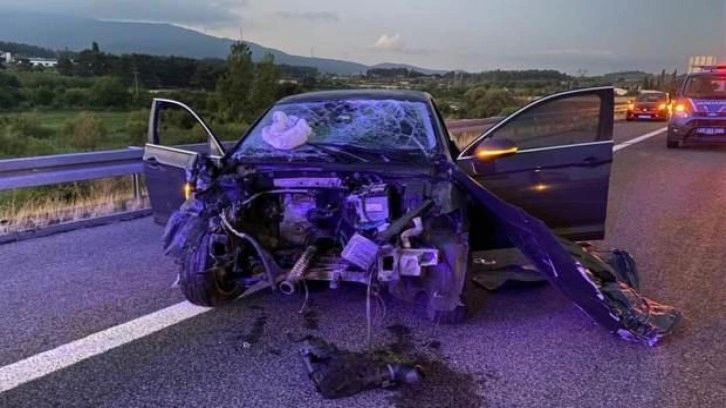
367,187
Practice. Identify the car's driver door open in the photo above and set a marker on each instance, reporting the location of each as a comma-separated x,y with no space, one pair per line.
552,158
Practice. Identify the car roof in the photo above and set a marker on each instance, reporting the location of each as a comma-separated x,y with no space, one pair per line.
395,94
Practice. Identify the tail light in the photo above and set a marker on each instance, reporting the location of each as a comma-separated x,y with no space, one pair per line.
681,109
662,106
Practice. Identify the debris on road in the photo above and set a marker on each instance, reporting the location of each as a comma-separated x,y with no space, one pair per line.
340,373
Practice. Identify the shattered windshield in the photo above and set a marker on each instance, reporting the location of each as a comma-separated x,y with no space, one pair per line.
706,87
355,130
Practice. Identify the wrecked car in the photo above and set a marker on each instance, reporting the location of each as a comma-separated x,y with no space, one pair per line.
367,186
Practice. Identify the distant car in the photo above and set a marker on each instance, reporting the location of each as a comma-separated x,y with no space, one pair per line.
365,186
699,113
649,105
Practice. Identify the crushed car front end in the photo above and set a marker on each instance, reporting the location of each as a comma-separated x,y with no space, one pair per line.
281,225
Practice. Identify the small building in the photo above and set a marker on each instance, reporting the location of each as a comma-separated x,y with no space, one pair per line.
43,62
6,57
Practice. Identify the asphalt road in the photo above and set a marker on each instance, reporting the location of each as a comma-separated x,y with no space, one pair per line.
526,347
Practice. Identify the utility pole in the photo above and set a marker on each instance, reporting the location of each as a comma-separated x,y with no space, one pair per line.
136,83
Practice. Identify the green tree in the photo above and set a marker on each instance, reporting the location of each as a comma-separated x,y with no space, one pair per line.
65,66
481,102
42,96
232,94
10,96
109,92
265,85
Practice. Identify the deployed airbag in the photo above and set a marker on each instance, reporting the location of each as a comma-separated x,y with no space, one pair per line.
286,132
584,277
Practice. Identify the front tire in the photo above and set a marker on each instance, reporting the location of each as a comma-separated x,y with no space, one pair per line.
202,284
673,144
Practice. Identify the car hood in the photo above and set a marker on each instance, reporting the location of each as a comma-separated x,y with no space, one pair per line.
580,275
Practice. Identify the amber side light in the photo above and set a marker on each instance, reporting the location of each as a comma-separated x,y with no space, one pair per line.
488,154
187,191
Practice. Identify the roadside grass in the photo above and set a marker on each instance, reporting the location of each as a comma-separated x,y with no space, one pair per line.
35,208
37,133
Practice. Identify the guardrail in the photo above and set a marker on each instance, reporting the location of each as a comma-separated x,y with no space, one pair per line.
63,168
38,171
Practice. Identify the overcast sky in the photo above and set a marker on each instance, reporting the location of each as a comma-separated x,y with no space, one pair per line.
596,35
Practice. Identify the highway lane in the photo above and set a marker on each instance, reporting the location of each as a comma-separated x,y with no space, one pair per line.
525,348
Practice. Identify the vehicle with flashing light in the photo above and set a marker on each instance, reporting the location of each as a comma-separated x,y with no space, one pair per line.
649,105
699,111
366,187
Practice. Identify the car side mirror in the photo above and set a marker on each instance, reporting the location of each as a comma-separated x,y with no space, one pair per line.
492,149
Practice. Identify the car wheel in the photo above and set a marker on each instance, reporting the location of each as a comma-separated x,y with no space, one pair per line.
672,144
202,284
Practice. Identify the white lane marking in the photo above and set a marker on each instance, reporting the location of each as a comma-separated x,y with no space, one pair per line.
42,364
639,139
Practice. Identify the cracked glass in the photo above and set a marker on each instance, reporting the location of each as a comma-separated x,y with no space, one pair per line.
343,130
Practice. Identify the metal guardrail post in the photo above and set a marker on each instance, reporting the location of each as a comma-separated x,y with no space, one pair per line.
136,184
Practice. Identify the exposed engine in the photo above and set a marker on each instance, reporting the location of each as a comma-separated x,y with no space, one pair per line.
336,229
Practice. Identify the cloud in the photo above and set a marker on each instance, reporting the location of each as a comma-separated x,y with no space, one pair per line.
395,44
213,13
390,42
313,16
577,52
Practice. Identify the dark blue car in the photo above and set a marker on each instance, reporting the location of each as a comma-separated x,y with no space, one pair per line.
366,186
699,115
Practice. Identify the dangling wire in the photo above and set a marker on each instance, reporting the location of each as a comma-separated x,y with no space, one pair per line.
368,307
307,296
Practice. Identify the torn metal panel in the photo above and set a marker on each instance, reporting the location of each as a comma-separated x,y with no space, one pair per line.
582,277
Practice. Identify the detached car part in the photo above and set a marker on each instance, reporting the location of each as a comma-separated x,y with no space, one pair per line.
337,373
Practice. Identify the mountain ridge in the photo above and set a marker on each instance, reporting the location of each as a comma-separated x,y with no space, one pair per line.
61,32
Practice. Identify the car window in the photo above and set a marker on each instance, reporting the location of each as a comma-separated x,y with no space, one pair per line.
706,86
651,97
562,121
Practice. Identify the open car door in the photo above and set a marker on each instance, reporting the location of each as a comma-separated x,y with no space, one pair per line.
165,167
551,158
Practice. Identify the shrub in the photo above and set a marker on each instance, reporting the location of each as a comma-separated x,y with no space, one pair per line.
75,97
136,127
28,125
86,131
12,143
109,92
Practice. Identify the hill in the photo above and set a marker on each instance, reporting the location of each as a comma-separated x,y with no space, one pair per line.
61,32
425,71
